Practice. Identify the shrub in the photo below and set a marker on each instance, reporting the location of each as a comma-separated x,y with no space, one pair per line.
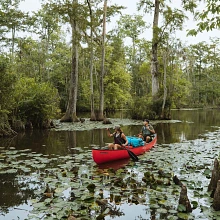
35,102
142,108
6,85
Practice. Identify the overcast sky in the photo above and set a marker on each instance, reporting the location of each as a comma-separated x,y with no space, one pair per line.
31,5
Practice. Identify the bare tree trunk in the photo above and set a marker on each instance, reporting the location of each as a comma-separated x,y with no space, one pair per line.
133,66
154,61
13,42
92,117
215,177
164,85
183,200
101,104
216,200
70,115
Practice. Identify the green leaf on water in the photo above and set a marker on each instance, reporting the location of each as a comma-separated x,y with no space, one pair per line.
195,204
170,217
39,205
11,171
163,211
181,208
183,216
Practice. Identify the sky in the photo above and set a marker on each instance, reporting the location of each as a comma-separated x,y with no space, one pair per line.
131,6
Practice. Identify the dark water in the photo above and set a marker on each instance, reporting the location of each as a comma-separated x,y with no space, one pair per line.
188,125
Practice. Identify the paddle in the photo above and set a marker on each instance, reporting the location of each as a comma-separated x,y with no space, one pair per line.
130,153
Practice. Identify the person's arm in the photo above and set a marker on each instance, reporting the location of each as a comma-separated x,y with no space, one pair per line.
151,129
109,133
126,141
141,133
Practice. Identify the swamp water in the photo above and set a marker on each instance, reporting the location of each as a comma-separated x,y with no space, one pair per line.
50,174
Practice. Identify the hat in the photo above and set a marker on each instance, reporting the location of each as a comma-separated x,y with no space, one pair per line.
146,120
117,127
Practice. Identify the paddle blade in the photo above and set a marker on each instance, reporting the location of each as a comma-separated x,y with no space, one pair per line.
132,155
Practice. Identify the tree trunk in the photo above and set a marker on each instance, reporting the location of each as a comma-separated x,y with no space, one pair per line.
13,41
164,86
93,116
5,128
70,115
216,200
184,199
100,115
215,177
133,66
154,61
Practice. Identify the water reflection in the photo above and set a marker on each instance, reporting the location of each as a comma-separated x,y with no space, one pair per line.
15,190
114,164
191,124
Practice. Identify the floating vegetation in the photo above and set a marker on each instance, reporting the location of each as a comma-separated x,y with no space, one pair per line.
74,186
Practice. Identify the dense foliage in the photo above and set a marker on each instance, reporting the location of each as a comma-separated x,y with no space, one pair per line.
36,71
6,86
35,102
6,94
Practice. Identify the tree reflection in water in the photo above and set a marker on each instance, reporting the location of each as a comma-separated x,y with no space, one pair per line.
17,189
14,190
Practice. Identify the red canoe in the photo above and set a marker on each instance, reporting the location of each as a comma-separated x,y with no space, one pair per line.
105,155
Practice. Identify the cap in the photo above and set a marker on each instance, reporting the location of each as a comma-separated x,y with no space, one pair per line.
117,126
146,120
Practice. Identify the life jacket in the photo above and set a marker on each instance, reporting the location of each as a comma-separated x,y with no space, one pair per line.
145,131
118,140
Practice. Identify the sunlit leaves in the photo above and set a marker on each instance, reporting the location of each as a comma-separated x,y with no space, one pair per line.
192,32
146,5
6,84
131,26
117,86
174,19
35,102
208,18
11,21
189,5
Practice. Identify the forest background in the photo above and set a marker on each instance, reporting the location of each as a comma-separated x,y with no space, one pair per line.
62,59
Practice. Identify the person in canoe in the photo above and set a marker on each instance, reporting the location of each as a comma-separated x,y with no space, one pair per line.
120,140
147,131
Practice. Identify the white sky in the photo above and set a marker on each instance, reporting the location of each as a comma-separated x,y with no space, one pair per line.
31,5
